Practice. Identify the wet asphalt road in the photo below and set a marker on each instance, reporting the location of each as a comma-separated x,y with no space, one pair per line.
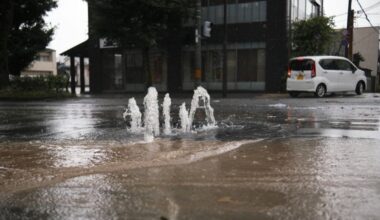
271,157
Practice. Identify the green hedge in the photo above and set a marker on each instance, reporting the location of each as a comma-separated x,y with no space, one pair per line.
36,88
40,83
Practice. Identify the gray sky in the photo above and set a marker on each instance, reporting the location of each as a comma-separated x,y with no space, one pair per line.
338,8
70,19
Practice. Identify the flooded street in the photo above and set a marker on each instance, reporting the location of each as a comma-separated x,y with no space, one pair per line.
270,157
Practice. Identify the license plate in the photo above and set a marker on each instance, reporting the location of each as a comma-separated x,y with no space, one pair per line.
300,77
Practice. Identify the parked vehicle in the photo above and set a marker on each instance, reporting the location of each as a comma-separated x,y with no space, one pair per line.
324,74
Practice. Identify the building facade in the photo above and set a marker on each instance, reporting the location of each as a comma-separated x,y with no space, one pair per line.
44,64
257,51
366,42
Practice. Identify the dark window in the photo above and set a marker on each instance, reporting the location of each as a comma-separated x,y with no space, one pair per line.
108,63
118,73
213,65
242,12
328,64
157,68
301,65
44,58
336,64
134,68
247,65
343,65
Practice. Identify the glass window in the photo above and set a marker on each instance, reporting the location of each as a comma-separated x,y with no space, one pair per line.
118,74
241,12
294,9
231,11
219,14
255,11
302,9
237,13
315,10
301,65
212,65
263,11
231,65
44,58
312,9
247,65
157,68
328,64
188,65
217,65
343,65
134,68
261,65
205,13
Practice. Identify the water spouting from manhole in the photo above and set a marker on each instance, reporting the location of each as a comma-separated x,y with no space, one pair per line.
151,127
133,112
184,117
166,113
201,99
151,115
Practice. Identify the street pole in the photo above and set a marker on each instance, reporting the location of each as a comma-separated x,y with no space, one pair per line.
198,44
350,26
225,51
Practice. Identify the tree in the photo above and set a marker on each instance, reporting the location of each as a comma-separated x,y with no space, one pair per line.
23,33
137,23
357,58
312,36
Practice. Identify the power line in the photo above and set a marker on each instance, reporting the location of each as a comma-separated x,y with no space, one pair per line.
372,6
367,9
366,16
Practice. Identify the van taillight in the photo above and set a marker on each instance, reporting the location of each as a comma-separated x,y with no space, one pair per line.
313,70
289,72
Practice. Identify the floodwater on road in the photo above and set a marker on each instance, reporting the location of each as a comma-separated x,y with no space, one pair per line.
269,158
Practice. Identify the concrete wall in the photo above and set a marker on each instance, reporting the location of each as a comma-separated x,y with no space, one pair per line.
366,41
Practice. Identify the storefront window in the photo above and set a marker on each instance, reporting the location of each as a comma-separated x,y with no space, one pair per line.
134,68
118,74
244,12
157,65
247,65
212,65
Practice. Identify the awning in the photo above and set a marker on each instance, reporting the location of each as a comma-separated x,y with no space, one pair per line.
80,50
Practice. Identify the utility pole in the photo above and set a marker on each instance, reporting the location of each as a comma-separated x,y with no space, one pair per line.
225,51
349,34
198,44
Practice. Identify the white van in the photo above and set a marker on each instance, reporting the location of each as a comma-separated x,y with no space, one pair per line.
324,74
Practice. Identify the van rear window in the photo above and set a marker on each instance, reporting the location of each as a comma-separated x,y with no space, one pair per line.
301,65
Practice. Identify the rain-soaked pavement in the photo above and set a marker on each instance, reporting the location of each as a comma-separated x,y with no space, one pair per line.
271,157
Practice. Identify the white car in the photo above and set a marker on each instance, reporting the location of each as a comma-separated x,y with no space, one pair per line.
324,74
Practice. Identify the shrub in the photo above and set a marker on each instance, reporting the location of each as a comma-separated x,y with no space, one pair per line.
40,83
36,88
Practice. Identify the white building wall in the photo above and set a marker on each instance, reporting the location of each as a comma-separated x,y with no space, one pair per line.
45,64
366,41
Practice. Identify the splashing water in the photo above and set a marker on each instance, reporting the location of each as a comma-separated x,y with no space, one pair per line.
201,99
134,113
151,115
166,113
184,117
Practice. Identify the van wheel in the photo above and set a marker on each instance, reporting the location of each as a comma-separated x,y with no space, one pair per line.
294,94
359,88
320,91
